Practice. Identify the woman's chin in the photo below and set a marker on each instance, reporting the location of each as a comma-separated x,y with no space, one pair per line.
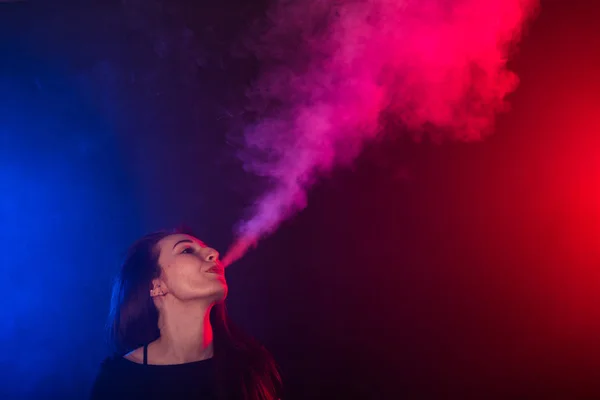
214,291
220,292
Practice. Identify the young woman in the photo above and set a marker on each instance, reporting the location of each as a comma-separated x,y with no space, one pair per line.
170,332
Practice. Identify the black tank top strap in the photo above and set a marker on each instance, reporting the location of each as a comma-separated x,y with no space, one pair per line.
145,354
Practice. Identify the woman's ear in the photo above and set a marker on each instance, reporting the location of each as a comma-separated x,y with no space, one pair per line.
158,288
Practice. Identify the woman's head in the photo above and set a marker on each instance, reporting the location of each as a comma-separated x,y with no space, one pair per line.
162,265
189,271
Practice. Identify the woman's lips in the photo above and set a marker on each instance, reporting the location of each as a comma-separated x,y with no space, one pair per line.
215,269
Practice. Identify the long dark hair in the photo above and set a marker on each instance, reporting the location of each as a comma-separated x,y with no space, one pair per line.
244,369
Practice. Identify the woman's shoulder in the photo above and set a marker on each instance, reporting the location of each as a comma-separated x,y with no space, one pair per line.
109,365
110,377
136,356
119,361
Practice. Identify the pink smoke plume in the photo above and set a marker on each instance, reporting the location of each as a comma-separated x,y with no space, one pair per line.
330,68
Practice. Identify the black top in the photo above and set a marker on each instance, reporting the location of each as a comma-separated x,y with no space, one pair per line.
120,378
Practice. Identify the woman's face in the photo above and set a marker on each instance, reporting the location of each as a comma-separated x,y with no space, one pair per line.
189,270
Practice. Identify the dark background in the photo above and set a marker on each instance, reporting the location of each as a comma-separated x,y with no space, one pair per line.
427,271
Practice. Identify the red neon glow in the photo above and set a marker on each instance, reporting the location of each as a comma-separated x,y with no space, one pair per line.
331,68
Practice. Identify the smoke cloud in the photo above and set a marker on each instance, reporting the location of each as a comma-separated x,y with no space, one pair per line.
330,71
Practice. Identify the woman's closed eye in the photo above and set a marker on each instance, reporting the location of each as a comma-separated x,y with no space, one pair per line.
188,250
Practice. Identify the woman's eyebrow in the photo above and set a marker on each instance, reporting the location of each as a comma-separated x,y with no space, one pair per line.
183,241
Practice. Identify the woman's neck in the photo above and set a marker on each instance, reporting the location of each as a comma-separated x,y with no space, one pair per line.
185,333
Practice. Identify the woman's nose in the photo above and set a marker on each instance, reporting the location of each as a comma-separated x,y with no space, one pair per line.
211,254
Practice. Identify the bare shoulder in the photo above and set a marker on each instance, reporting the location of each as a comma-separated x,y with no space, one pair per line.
137,355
